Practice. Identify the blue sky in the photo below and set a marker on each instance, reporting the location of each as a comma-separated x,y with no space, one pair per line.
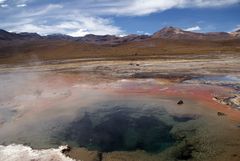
118,17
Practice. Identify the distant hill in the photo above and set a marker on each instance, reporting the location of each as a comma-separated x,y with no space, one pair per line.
8,36
25,47
165,33
177,33
93,39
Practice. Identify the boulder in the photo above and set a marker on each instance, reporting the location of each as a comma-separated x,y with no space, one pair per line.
180,102
221,114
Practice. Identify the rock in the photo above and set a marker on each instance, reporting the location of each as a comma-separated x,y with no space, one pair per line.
67,149
234,155
100,156
221,114
180,102
185,152
233,101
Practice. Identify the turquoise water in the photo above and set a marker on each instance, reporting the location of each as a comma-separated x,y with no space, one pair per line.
123,128
119,130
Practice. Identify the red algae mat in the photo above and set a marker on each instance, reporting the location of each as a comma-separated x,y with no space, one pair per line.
201,93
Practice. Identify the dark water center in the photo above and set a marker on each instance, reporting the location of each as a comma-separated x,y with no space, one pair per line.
119,129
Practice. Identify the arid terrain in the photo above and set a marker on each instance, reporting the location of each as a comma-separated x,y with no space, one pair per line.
173,95
166,43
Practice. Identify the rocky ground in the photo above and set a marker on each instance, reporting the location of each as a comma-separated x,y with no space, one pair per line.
215,69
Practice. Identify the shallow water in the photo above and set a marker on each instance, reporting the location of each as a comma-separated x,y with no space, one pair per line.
122,128
224,80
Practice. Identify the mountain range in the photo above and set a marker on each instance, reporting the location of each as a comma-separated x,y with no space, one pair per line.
165,33
19,48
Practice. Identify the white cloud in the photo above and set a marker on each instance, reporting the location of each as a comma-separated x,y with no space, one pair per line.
2,1
4,5
81,26
194,28
21,5
143,33
94,25
143,7
140,32
236,28
40,11
78,18
55,18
